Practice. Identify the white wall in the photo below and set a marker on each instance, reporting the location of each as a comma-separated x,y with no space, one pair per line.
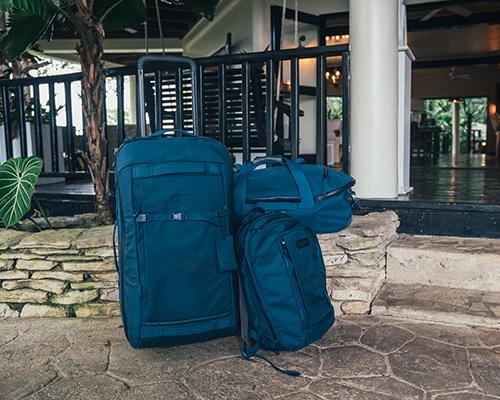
250,24
232,16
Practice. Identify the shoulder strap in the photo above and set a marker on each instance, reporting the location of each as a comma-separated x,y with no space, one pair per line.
249,351
243,312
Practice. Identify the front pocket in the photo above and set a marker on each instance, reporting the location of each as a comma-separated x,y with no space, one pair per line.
180,214
182,271
302,250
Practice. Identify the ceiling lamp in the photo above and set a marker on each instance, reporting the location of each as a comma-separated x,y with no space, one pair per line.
337,39
333,75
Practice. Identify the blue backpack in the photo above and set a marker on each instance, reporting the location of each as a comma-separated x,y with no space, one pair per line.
283,282
319,197
177,270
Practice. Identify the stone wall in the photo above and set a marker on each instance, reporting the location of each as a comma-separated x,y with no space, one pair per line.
58,273
70,272
355,260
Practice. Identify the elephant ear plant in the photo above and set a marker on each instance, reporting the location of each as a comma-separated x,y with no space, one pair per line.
18,177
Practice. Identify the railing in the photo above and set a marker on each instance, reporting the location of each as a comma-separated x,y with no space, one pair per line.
29,128
236,98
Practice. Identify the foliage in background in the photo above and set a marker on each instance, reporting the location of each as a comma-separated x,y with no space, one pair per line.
334,107
473,110
18,178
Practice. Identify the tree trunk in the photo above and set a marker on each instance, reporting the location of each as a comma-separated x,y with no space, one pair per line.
93,89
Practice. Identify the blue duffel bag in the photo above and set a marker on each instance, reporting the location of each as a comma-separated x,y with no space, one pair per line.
283,282
317,196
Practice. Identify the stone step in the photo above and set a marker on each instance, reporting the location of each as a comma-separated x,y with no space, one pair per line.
439,304
454,262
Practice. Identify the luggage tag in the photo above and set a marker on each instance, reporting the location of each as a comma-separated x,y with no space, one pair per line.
225,254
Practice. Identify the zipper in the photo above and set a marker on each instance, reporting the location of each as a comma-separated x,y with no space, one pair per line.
121,235
268,320
149,137
289,266
335,192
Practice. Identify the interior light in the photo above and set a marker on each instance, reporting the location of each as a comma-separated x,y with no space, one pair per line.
492,108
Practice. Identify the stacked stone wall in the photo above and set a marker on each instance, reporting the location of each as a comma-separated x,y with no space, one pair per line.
70,272
58,273
355,260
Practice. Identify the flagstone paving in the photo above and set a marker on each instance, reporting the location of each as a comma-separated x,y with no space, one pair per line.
361,358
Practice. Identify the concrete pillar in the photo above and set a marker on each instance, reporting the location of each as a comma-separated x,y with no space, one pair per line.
373,27
455,128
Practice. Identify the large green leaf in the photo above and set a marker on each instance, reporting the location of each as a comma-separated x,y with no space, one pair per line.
41,8
25,31
18,177
120,14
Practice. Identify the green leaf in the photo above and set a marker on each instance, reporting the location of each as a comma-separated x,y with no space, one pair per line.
203,7
5,5
41,8
25,31
120,14
18,177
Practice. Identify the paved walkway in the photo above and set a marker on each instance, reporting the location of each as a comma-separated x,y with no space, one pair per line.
362,358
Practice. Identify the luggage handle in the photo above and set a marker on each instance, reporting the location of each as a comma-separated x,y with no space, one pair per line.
175,132
173,62
305,193
277,160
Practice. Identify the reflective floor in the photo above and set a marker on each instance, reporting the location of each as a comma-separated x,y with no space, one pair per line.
469,178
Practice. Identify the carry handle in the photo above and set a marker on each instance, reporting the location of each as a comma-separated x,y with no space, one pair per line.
176,132
305,193
274,160
174,62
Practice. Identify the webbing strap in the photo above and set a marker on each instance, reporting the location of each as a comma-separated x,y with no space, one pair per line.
250,350
212,217
256,356
243,312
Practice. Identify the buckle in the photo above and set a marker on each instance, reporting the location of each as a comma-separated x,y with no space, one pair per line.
142,218
178,216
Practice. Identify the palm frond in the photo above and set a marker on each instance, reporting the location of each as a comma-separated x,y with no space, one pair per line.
25,31
40,8
120,14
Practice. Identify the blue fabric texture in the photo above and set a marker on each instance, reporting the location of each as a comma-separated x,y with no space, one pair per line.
317,196
284,282
177,271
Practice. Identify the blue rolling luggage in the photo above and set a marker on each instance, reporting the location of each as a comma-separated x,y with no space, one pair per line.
176,261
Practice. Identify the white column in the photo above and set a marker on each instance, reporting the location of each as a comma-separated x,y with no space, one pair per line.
373,27
455,129
405,59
